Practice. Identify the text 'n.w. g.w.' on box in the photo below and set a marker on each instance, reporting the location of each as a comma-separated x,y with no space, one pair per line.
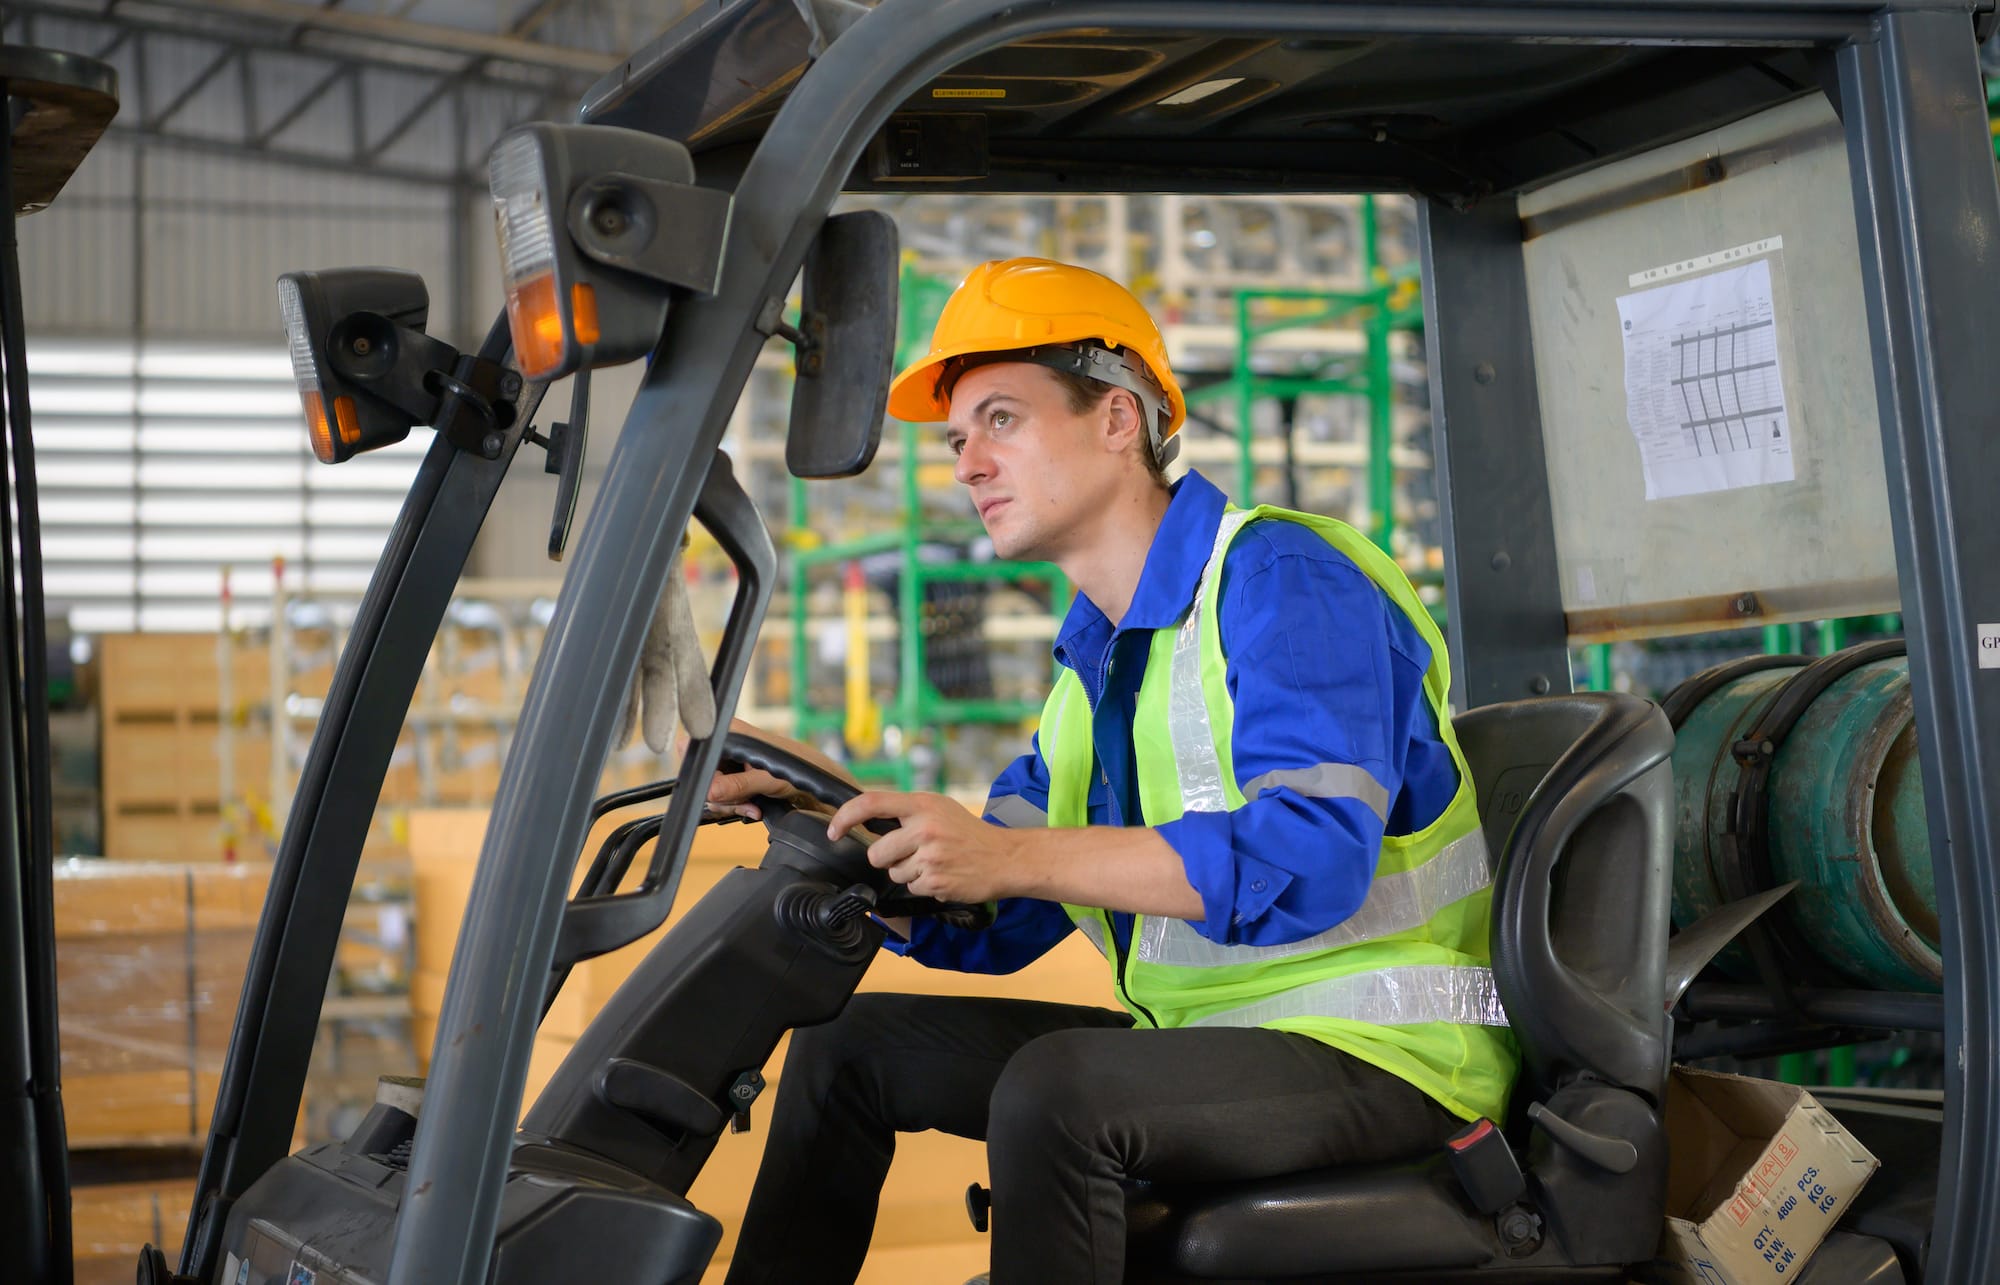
1759,1173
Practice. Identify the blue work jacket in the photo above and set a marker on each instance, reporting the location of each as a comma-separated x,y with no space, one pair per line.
1322,668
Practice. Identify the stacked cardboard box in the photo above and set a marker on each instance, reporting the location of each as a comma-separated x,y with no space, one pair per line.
149,965
922,1232
225,902
150,961
111,1222
161,699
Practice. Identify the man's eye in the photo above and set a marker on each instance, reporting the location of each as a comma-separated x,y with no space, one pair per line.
957,445
1002,418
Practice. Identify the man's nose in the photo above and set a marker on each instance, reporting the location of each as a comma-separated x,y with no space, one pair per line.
973,463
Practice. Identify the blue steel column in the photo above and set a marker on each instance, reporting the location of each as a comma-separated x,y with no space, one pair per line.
1928,212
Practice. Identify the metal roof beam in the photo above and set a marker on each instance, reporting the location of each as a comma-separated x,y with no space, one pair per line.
532,19
126,26
330,162
200,82
402,31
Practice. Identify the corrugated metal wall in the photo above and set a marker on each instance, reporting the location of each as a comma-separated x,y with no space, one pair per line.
150,241
156,256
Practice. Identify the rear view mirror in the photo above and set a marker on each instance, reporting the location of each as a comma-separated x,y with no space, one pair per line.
846,341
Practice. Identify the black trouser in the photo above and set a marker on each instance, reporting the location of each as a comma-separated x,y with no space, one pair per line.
1071,1102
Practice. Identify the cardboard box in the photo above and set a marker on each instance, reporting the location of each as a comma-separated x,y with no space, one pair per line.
143,760
226,897
1759,1173
124,1002
157,671
150,962
112,1221
128,1108
95,897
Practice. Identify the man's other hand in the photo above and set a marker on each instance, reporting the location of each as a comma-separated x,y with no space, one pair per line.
938,849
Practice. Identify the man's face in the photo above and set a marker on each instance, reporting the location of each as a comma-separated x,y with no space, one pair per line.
1036,470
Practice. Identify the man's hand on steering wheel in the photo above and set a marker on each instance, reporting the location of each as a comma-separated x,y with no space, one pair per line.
950,846
737,791
938,849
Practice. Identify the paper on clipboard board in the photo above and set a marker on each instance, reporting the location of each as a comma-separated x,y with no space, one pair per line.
1704,388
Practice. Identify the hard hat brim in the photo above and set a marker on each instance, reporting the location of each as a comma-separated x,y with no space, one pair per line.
913,396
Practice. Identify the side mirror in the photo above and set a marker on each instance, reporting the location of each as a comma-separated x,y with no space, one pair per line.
846,343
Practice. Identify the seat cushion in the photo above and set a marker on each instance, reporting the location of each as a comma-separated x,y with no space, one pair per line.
1390,1217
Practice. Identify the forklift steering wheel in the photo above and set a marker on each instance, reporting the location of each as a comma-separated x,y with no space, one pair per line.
809,778
800,773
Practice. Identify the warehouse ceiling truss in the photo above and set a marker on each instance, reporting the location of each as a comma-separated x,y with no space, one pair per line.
380,94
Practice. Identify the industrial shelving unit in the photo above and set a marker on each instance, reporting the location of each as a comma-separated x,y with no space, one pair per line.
458,730
1385,302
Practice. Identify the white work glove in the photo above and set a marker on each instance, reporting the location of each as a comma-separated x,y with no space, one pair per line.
672,681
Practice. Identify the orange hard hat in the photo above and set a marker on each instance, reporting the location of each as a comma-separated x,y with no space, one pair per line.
1053,314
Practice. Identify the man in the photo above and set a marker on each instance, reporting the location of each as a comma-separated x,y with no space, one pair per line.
1244,790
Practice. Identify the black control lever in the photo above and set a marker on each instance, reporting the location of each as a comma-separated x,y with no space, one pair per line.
659,1097
1613,1155
833,919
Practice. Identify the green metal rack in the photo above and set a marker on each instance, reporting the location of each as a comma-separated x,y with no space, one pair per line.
1993,112
1391,300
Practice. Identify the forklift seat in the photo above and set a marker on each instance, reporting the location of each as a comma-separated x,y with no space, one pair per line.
1575,795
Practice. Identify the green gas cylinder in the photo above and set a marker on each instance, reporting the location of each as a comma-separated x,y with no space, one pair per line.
1845,819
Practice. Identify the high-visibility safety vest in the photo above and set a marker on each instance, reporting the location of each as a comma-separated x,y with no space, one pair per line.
1404,983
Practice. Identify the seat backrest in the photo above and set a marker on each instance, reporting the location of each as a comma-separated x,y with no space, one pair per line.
1575,794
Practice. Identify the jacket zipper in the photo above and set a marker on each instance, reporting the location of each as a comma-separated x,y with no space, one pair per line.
1119,950
1123,992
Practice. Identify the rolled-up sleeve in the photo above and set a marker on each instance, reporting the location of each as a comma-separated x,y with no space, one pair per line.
1323,683
1023,929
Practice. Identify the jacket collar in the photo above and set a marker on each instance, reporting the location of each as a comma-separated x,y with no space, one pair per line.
1174,563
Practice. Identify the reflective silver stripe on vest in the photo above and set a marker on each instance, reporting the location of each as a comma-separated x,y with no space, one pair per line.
1403,996
1395,903
1195,759
1327,781
1016,812
1095,931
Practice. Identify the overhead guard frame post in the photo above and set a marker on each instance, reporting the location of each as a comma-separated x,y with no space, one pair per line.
270,1047
1927,210
704,356
1507,635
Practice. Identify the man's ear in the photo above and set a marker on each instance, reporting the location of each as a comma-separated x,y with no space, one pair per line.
1123,420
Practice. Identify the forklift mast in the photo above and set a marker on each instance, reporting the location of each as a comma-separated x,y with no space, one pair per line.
58,106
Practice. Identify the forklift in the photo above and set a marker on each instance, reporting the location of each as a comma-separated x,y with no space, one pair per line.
1602,188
